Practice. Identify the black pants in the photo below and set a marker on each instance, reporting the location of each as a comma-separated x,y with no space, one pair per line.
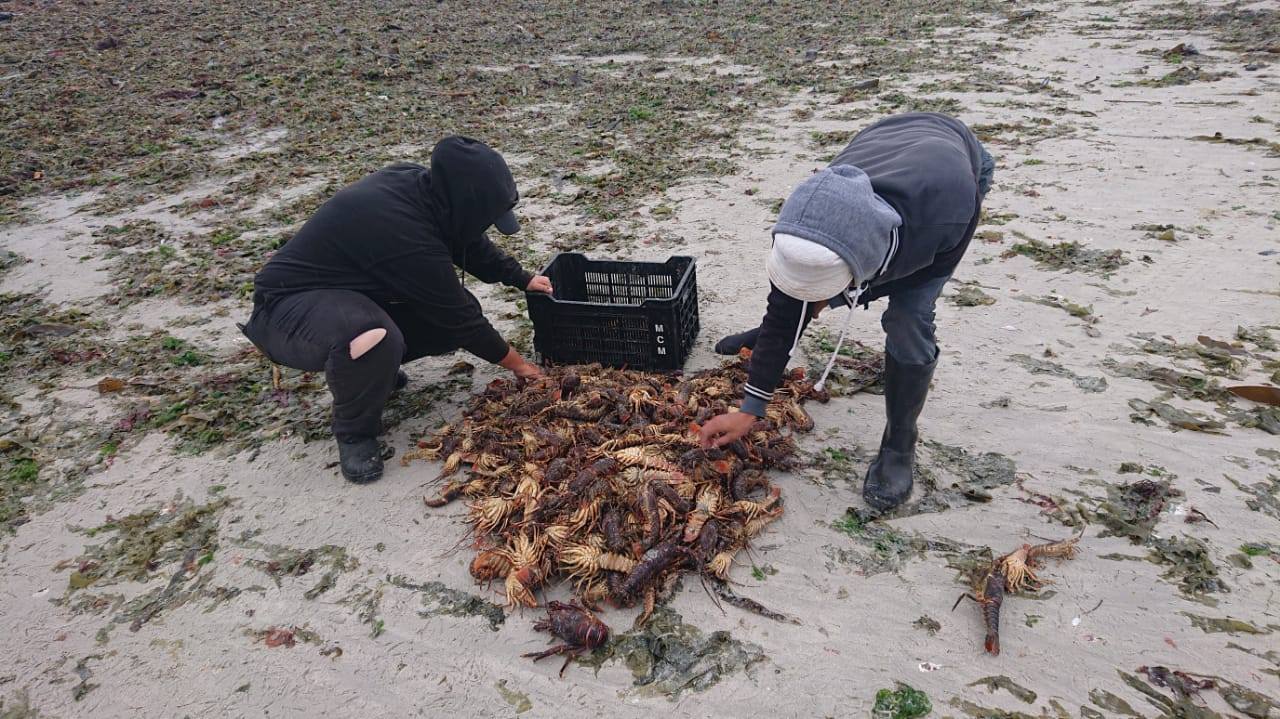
312,331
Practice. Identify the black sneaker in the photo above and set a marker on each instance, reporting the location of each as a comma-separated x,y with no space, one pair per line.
360,459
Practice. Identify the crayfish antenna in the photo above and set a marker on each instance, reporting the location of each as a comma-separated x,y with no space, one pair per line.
702,578
467,536
961,598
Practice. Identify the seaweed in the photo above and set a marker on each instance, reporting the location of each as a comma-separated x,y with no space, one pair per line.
1265,418
1002,682
1183,384
1224,625
1259,337
1272,147
284,561
1219,361
980,712
1038,366
84,673
977,473
1190,566
1080,311
1271,656
838,464
902,702
367,602
1132,510
186,585
145,542
669,658
888,547
971,296
1070,256
1017,134
1185,75
20,481
1112,703
1263,496
10,259
1185,686
440,600
1236,27
858,368
928,624
901,102
1177,418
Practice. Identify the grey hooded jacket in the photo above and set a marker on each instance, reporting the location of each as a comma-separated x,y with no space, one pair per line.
916,172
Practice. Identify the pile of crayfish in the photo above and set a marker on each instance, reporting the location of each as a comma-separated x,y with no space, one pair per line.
595,475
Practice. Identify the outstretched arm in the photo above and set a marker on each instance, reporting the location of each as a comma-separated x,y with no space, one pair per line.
425,280
488,263
768,363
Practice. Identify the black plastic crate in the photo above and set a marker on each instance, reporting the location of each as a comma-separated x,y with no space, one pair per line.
639,315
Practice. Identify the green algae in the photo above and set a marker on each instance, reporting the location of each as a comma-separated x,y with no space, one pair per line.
144,542
902,702
284,562
440,600
1039,366
971,296
670,658
1070,257
1223,625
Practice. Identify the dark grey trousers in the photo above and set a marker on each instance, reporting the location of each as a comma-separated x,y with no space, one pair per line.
312,331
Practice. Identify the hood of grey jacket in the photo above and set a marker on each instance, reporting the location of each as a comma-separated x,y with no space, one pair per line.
838,209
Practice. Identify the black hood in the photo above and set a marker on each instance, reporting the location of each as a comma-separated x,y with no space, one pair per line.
471,185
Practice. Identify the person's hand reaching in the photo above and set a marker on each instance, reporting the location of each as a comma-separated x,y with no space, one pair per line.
725,429
541,283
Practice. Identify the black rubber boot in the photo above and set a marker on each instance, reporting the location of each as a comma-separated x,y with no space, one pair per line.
732,344
890,476
360,459
402,380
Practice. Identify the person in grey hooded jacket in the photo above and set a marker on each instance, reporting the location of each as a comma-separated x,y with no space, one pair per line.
890,217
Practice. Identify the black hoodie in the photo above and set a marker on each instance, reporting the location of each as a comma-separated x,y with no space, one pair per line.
397,235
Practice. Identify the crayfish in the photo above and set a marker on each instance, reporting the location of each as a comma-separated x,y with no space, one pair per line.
1012,572
581,631
595,476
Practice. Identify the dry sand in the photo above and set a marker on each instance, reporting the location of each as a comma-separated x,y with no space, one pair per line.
1126,160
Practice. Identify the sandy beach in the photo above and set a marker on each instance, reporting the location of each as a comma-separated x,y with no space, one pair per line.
175,546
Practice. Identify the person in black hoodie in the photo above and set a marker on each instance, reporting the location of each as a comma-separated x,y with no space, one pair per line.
890,217
369,283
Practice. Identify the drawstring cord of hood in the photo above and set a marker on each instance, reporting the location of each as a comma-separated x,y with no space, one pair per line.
848,320
804,309
853,303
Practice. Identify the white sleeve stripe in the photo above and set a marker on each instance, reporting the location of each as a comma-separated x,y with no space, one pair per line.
758,392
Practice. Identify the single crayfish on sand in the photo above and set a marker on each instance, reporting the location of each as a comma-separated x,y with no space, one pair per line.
1013,572
581,631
